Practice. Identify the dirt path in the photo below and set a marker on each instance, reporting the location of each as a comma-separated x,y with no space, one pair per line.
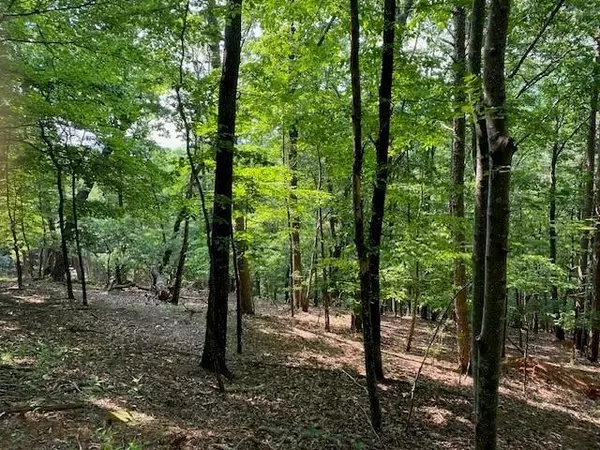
296,386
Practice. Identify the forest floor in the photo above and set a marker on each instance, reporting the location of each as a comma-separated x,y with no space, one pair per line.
296,386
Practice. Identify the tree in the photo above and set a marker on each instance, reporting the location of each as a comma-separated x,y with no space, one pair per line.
215,344
457,200
359,227
501,147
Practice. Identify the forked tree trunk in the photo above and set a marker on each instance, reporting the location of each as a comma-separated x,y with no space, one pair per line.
457,201
501,146
215,343
481,158
247,305
359,227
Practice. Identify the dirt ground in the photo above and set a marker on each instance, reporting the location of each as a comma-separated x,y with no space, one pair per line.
125,373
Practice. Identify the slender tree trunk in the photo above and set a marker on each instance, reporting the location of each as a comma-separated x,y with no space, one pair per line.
29,262
63,238
415,302
238,295
215,343
592,143
176,292
559,331
78,242
457,201
501,148
381,175
300,300
13,226
359,236
247,305
595,307
481,152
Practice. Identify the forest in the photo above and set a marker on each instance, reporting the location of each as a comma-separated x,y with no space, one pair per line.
299,224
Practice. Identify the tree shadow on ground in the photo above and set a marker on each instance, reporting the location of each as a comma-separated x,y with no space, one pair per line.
295,388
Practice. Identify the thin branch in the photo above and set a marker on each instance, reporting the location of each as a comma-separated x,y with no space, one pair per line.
547,22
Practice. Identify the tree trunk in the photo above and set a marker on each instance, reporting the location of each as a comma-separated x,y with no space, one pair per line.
247,305
381,175
595,307
84,299
63,237
501,149
457,201
481,158
13,225
359,232
215,343
300,300
559,331
176,291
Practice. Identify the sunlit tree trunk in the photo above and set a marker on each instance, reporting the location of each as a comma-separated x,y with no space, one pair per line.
300,300
12,223
247,305
215,343
457,200
501,146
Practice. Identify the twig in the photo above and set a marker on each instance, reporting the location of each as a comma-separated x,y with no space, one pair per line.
368,419
442,320
355,382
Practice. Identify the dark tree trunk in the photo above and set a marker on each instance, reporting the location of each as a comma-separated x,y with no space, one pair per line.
359,236
247,305
63,237
595,307
300,300
501,146
176,291
481,151
559,331
215,343
457,200
381,175
84,299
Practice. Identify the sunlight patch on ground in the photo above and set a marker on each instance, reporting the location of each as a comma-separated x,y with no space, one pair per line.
111,405
436,415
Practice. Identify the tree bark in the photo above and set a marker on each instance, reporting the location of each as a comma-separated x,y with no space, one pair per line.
63,237
381,175
176,291
595,309
247,305
12,223
215,343
359,231
559,331
457,200
84,299
300,300
501,149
